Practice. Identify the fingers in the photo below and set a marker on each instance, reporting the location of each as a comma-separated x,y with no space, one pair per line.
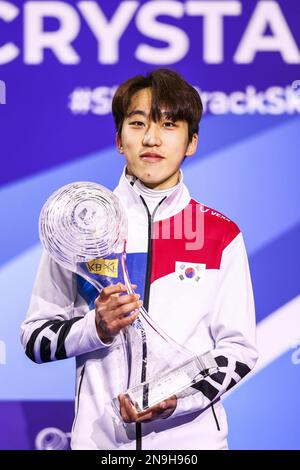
115,310
127,410
111,323
152,413
120,300
114,289
128,319
160,410
122,305
167,407
126,309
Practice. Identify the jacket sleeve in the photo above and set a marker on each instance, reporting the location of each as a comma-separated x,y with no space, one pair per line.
232,328
54,328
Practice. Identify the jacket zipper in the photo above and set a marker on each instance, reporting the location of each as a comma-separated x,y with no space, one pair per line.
138,426
215,416
78,396
149,251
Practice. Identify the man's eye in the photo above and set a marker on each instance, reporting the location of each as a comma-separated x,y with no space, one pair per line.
169,124
136,123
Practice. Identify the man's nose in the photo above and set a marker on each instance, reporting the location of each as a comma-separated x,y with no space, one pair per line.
152,135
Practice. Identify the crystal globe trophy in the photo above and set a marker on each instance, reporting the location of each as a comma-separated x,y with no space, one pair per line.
83,227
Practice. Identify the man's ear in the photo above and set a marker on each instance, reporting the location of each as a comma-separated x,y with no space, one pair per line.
192,146
119,144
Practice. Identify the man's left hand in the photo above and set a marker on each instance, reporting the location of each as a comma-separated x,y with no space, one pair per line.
164,409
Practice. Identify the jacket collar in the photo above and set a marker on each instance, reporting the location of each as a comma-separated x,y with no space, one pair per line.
132,203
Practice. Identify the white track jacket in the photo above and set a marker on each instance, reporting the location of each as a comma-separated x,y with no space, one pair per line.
190,265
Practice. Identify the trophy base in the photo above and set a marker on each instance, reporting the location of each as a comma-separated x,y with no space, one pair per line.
170,383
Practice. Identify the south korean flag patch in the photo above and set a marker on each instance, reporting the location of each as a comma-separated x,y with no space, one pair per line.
190,272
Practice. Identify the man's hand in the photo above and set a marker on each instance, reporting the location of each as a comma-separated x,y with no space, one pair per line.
114,311
164,409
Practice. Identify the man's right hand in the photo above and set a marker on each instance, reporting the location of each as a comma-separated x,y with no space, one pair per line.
114,311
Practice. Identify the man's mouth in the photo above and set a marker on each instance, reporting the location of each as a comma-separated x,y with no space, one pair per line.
151,157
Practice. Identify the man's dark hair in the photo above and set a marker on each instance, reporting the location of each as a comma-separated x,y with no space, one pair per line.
169,92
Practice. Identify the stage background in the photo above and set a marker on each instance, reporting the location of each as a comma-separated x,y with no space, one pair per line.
60,62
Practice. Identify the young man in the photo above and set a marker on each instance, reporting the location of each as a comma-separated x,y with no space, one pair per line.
199,293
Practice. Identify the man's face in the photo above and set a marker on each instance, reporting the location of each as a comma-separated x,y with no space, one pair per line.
154,151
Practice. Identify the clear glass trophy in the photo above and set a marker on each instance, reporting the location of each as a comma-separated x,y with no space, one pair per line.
83,227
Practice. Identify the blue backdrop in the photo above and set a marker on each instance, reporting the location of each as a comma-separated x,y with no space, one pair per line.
61,62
